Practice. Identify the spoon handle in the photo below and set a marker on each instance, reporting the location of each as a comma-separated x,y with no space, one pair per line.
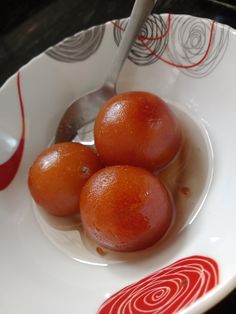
139,14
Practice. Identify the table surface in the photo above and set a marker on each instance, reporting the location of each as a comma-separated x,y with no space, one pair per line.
28,27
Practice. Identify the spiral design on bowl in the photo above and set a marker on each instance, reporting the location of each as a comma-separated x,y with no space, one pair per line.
154,33
166,291
195,45
79,46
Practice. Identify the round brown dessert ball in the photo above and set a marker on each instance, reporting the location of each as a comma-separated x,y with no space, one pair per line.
125,208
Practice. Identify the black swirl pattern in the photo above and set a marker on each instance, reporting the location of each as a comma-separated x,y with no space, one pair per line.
78,47
196,46
154,33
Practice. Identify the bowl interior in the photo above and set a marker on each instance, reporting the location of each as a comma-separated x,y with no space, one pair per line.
191,66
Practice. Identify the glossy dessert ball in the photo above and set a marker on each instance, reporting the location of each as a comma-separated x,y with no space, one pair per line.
137,128
58,174
125,208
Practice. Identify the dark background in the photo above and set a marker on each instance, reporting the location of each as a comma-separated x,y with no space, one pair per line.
28,27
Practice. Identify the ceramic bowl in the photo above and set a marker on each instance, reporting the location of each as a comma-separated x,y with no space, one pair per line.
47,266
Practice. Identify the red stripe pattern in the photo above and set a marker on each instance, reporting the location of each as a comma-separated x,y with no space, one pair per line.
166,291
9,168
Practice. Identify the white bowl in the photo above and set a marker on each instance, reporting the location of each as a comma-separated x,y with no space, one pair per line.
191,63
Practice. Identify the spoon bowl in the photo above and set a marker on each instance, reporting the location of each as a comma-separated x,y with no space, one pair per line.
78,120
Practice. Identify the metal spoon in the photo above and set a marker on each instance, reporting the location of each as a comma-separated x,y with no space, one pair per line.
78,121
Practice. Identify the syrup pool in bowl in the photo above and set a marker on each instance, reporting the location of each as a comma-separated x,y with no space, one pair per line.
187,177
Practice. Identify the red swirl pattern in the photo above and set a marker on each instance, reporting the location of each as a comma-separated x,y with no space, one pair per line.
166,291
193,45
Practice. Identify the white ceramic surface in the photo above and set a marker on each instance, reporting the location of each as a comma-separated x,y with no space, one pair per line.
191,63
